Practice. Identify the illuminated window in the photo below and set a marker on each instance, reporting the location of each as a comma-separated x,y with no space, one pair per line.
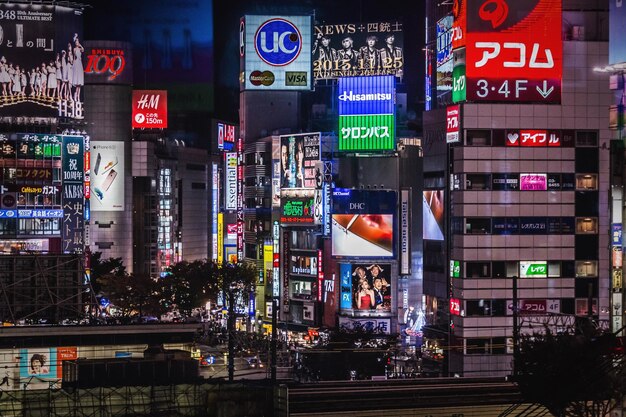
586,269
586,225
582,306
478,269
554,269
586,181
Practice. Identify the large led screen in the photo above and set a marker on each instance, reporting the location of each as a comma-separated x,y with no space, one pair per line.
514,51
433,215
298,155
366,287
107,176
276,52
355,49
363,223
41,61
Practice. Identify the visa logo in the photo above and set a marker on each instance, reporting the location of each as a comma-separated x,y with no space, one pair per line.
295,78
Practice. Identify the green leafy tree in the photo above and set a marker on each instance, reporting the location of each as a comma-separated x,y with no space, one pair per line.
571,374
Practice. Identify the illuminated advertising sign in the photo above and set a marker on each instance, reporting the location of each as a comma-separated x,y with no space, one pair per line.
150,109
533,182
107,176
366,113
303,263
459,85
220,237
455,269
617,320
444,39
366,287
453,123
367,133
299,154
108,63
356,49
459,13
533,138
432,215
230,179
225,136
26,245
35,214
296,210
268,259
530,307
533,269
455,306
617,256
41,43
276,52
405,232
363,223
616,234
375,325
366,95
617,279
617,28
214,209
514,52
73,194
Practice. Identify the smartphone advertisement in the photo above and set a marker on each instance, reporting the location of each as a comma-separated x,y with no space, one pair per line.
107,176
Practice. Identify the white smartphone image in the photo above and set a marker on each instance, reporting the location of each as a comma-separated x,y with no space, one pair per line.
109,180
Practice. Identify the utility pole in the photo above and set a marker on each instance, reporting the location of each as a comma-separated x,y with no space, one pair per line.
515,328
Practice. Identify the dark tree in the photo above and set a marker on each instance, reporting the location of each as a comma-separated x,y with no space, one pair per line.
571,374
132,294
189,285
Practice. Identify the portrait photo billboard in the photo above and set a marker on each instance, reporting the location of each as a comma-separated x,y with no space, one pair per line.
298,156
358,49
41,61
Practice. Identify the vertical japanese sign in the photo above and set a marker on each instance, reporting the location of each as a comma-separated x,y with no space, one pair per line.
240,200
214,209
73,194
453,119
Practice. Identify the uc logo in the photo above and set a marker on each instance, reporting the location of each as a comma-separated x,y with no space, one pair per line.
278,42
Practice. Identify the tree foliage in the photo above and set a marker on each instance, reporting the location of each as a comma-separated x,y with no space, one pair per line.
132,294
570,374
101,267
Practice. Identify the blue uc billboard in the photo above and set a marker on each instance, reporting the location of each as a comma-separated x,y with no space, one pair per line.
275,52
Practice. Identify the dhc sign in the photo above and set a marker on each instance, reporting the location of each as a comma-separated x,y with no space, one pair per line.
366,95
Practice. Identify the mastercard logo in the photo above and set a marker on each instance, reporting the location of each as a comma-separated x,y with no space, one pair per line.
265,78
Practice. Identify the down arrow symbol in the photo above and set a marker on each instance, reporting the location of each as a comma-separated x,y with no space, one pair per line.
545,92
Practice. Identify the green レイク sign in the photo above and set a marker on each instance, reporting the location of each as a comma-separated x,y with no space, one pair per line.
367,133
458,77
534,269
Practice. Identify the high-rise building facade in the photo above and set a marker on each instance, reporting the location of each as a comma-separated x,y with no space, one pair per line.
516,175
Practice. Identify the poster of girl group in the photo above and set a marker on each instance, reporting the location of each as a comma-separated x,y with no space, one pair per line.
41,61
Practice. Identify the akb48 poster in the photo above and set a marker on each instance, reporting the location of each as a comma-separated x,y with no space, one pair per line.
41,61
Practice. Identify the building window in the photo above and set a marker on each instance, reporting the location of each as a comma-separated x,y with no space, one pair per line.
586,181
478,138
505,269
554,269
477,269
586,269
586,225
477,181
586,138
480,226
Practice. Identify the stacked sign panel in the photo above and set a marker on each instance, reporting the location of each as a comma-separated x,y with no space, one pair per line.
41,61
513,50
275,52
366,114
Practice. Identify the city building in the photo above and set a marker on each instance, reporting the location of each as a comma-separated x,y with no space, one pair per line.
516,176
